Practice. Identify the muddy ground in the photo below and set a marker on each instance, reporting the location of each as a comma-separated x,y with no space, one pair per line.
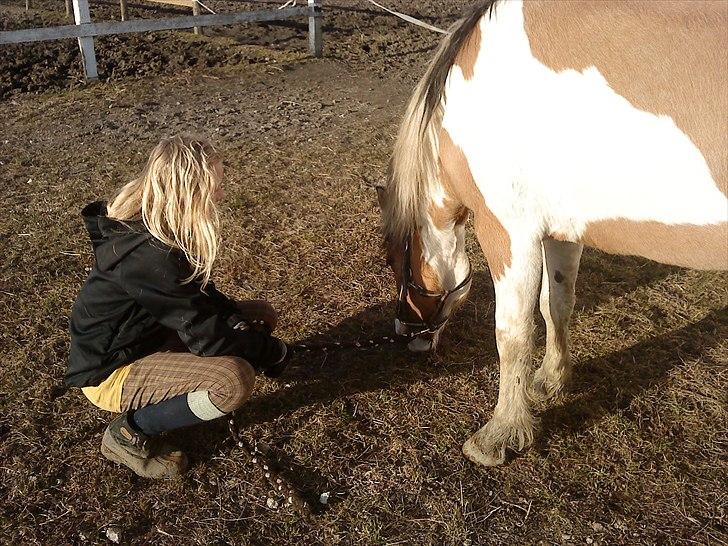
634,453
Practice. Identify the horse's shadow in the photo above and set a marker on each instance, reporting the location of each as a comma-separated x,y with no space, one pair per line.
321,378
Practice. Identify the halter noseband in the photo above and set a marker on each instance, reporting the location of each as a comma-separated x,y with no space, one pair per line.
445,298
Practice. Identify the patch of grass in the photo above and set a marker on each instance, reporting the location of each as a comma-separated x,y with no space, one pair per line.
634,453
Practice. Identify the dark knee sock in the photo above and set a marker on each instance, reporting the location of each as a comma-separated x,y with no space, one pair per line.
165,416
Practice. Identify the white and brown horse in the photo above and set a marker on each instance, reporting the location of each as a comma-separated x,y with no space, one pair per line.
558,124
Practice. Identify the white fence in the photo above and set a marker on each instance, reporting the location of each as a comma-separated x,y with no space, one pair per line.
85,31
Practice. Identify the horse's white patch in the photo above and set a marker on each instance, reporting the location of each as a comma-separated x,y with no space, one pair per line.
552,152
444,251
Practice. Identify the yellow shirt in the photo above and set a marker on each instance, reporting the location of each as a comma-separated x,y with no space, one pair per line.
107,395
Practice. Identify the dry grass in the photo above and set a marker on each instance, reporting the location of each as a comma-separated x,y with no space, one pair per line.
635,453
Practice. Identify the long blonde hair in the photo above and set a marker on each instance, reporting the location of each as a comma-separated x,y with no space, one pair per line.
173,196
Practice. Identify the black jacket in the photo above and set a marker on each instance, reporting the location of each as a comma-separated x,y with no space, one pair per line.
133,299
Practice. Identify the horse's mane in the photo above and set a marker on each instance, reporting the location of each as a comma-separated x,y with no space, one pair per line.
413,167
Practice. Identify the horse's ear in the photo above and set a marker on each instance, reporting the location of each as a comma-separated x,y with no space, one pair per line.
381,195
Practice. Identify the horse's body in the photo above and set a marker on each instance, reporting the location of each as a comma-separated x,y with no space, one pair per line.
560,124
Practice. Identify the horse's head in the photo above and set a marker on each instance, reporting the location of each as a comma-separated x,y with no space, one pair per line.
433,278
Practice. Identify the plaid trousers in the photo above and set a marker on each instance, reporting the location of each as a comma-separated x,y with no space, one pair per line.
163,375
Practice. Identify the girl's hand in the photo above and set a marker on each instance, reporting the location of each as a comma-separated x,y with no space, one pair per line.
259,313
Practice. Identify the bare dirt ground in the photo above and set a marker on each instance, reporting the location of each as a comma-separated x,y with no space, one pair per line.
634,453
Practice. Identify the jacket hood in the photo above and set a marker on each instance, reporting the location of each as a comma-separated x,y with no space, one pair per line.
112,240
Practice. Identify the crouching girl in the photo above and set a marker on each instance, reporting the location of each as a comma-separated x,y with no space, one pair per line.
151,336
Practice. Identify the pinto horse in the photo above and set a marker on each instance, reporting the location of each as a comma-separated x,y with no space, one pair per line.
558,124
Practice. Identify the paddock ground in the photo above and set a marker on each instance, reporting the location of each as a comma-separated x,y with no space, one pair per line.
634,453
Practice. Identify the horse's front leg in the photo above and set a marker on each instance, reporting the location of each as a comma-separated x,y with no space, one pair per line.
560,267
516,271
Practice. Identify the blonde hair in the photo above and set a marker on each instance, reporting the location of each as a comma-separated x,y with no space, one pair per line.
173,196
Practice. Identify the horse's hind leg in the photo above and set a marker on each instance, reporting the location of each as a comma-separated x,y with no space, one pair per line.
560,267
516,291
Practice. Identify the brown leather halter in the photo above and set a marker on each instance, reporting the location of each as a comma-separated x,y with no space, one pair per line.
446,300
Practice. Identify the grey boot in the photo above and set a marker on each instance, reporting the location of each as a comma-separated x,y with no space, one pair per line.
142,454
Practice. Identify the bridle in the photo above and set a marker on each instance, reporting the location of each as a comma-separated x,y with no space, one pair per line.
446,299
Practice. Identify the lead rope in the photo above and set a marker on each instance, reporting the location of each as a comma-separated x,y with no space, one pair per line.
326,346
284,494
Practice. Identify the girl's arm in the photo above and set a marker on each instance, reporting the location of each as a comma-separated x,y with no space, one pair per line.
204,322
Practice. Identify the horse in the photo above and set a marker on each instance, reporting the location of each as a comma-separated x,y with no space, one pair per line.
557,125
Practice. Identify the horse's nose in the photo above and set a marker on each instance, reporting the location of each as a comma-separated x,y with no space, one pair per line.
420,344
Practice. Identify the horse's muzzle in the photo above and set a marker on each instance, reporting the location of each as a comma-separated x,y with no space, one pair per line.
421,343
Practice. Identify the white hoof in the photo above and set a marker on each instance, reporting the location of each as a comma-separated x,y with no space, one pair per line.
483,454
544,387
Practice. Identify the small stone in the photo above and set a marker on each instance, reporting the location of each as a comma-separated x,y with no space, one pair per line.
589,540
324,498
278,480
271,503
267,474
265,467
598,527
255,460
113,534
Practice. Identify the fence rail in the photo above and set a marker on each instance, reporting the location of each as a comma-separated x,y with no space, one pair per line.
85,31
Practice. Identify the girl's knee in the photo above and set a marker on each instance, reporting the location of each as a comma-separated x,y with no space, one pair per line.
235,386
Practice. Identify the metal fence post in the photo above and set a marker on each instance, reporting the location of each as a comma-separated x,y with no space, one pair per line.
86,44
315,38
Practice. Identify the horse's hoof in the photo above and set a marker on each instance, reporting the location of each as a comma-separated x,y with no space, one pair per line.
484,456
542,388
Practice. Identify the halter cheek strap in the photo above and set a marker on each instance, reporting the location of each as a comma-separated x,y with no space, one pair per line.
446,299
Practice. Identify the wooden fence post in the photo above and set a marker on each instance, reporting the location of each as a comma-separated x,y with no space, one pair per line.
196,11
122,6
315,39
68,9
28,4
86,44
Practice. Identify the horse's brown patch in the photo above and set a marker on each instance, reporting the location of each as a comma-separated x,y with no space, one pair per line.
451,212
422,272
455,175
686,245
419,307
468,53
667,58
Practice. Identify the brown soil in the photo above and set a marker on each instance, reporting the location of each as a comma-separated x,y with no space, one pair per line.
635,453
